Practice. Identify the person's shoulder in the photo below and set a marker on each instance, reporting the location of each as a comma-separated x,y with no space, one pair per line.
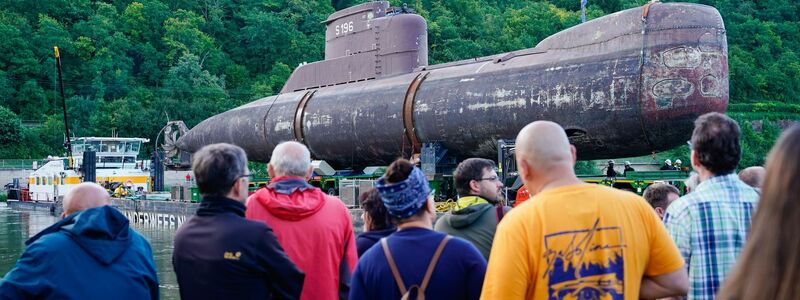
462,249
51,243
443,222
332,201
682,207
139,239
747,193
460,243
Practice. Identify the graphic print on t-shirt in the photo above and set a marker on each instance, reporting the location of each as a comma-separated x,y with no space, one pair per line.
585,263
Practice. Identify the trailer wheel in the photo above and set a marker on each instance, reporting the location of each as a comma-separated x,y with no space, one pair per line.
331,191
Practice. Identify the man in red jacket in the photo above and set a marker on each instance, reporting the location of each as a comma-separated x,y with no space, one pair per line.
314,228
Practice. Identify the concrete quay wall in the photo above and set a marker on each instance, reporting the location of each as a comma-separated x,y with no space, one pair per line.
152,213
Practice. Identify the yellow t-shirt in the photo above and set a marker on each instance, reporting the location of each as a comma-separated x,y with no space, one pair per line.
578,242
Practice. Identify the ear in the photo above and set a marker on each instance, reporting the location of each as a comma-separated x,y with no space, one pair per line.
309,172
235,188
474,187
522,167
271,171
660,212
574,154
694,159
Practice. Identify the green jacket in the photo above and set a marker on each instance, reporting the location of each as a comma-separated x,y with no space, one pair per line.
476,223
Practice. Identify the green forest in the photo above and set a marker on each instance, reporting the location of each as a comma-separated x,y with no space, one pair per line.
130,66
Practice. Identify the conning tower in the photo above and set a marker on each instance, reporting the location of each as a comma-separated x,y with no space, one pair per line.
365,42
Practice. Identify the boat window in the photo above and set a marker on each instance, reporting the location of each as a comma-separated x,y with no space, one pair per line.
130,159
93,146
113,146
128,146
135,146
111,159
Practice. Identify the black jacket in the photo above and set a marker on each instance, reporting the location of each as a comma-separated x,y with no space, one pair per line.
221,255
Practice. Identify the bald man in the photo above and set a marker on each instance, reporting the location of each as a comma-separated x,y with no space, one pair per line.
577,240
753,176
84,196
90,254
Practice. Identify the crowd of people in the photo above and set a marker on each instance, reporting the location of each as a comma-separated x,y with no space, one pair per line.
290,240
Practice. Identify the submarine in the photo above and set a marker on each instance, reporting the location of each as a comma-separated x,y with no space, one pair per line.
626,84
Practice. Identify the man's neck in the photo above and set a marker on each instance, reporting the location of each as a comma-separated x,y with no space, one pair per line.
559,178
235,196
703,173
415,224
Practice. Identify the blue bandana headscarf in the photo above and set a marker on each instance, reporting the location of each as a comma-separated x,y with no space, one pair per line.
404,199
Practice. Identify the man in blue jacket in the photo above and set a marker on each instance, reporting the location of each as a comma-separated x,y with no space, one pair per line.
90,254
218,253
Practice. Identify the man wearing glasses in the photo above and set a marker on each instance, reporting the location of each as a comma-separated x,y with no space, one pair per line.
218,253
479,208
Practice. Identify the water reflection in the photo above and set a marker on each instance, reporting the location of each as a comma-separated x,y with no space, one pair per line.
17,226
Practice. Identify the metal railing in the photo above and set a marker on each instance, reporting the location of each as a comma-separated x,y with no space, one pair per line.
19,164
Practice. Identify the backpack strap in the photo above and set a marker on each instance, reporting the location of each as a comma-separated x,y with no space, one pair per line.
500,212
393,266
432,264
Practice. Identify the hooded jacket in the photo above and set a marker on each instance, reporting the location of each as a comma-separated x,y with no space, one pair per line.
221,255
314,228
477,223
92,254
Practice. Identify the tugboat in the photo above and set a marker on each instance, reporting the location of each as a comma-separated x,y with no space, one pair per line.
111,161
116,165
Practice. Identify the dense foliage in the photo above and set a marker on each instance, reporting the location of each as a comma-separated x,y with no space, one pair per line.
129,66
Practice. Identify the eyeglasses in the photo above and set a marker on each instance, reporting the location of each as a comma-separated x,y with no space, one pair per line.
242,176
493,178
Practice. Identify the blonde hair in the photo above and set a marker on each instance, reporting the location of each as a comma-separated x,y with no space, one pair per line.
769,265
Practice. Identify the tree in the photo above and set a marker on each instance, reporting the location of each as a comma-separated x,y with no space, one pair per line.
198,93
10,127
32,101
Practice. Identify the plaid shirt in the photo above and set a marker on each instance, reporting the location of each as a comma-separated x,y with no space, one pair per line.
709,227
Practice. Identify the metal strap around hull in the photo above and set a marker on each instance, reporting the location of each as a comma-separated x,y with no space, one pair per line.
298,116
408,111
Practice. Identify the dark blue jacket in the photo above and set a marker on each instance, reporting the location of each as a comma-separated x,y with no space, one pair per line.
367,239
458,274
91,254
221,255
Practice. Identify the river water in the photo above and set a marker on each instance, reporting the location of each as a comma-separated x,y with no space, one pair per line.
18,226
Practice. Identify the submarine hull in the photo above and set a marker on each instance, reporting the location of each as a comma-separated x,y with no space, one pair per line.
626,84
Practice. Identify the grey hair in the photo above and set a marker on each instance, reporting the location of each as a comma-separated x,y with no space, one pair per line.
217,167
290,159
